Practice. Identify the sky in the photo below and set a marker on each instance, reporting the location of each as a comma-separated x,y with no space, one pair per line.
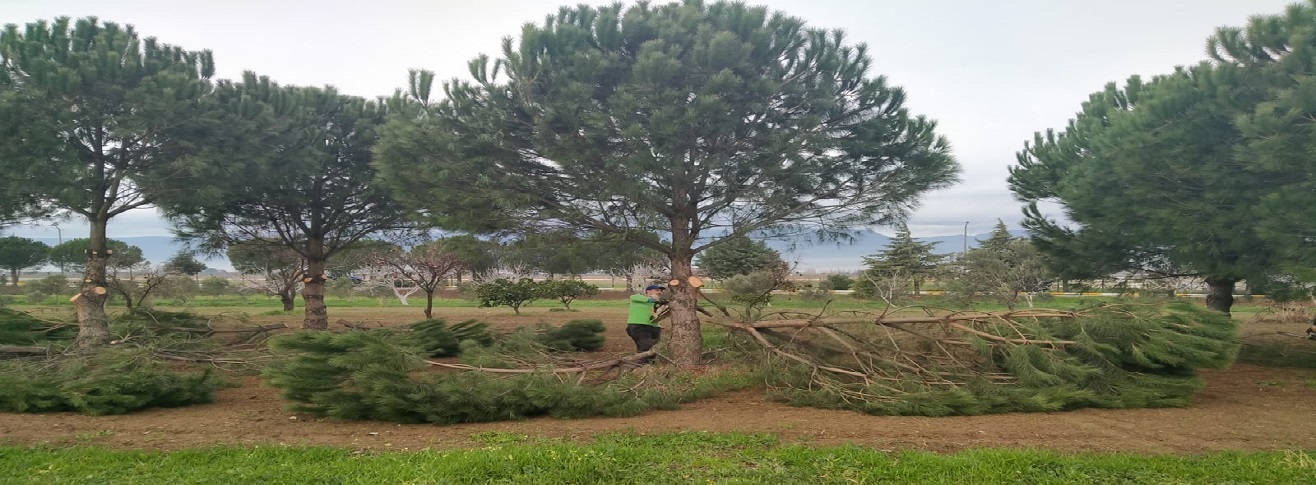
991,73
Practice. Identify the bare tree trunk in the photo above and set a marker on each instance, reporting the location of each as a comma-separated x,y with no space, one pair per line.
429,303
93,324
686,344
14,272
288,298
1220,294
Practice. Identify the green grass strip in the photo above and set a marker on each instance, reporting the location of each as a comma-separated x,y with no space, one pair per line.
629,458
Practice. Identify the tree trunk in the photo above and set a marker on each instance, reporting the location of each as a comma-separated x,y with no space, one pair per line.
14,271
288,298
93,325
317,315
1220,294
686,344
429,303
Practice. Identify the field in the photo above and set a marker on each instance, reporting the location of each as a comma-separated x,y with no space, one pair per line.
1246,408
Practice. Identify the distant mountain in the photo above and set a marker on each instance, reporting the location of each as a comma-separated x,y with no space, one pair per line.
812,257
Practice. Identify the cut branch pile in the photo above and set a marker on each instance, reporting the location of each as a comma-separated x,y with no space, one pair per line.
975,362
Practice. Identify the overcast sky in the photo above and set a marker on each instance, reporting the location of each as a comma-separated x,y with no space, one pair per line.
991,72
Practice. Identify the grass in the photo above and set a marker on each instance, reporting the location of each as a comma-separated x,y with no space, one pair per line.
630,458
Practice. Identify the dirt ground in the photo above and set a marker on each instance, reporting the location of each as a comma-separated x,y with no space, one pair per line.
1242,408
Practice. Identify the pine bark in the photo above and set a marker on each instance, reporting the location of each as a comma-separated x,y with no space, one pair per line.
317,314
1220,294
686,344
93,324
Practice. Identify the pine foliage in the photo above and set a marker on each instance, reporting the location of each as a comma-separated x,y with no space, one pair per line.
1122,356
112,381
576,335
18,328
381,376
438,339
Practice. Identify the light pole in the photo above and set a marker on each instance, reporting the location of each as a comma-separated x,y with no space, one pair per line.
965,250
60,234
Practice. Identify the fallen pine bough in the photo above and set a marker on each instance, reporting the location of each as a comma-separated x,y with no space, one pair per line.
976,362
938,363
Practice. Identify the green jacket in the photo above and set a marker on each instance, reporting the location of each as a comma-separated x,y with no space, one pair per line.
641,311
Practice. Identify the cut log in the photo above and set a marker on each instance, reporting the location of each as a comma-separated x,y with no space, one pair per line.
22,350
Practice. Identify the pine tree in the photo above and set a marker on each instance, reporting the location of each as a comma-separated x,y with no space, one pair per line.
1000,239
699,121
95,120
1150,178
1275,52
17,254
903,265
295,169
739,256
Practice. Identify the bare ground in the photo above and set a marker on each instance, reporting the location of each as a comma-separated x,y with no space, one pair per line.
1242,408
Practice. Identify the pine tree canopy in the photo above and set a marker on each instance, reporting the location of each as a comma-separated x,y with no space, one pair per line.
185,263
654,116
904,256
92,116
19,253
1148,174
72,254
1277,51
739,256
295,167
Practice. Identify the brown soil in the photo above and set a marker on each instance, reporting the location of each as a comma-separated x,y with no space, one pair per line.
1242,408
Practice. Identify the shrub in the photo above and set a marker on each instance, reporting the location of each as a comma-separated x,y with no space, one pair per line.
566,291
50,285
503,292
837,282
435,338
215,286
114,380
36,298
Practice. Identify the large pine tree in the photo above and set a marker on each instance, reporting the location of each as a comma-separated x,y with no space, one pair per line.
93,119
686,119
1148,174
294,170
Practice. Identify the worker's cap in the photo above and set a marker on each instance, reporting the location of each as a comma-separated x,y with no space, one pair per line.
653,287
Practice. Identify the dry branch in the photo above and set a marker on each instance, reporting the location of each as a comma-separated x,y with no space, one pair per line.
360,325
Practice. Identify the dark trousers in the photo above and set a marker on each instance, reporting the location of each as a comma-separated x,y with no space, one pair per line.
645,337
